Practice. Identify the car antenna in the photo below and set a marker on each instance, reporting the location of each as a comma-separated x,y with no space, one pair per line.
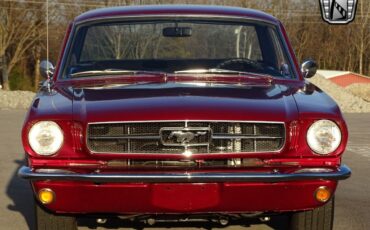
47,46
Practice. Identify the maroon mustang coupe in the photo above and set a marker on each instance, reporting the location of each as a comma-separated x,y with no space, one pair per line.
158,113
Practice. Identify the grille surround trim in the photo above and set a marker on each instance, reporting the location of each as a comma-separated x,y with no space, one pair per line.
283,145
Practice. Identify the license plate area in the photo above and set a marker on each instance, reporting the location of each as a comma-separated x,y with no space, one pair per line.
185,196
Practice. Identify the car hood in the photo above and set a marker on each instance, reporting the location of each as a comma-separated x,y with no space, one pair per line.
184,101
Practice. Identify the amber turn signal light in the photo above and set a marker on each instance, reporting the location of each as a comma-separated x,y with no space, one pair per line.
322,194
46,196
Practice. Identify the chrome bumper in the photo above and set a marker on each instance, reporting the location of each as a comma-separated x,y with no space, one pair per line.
343,172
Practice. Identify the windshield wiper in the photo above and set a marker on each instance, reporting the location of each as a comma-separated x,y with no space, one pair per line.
90,73
221,71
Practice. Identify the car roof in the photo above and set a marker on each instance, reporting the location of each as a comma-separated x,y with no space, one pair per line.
178,10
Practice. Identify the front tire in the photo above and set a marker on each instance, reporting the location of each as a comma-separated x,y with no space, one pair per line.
318,219
49,221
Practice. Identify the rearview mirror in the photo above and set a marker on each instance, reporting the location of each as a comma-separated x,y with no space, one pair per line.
46,69
177,32
308,68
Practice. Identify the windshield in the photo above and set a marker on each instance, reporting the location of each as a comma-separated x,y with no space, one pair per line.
177,46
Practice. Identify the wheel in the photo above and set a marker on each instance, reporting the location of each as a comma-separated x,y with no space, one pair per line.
318,219
49,221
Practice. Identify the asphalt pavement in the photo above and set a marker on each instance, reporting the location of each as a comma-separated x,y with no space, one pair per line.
352,196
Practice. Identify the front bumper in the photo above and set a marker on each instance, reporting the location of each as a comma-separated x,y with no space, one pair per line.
343,172
183,193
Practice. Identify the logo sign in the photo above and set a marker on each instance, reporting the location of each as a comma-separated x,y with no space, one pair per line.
338,11
178,136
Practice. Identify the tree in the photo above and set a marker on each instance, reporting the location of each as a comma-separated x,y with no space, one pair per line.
362,35
19,30
23,30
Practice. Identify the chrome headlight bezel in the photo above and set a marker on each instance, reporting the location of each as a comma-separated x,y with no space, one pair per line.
324,137
45,138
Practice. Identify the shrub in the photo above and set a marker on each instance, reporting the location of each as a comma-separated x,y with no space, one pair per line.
18,81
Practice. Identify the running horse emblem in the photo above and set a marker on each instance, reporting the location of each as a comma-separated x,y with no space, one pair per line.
185,137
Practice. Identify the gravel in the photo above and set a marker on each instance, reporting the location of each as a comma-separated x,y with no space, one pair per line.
360,89
347,101
15,99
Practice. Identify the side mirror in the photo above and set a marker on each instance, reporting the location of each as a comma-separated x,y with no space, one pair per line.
308,68
46,69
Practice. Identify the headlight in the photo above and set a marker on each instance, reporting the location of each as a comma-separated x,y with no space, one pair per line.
324,137
45,137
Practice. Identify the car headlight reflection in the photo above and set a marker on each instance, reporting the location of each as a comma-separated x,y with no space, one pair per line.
324,137
45,137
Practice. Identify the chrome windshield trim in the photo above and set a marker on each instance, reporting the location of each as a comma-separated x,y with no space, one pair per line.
343,172
154,16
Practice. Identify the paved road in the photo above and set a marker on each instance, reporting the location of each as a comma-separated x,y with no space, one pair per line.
352,197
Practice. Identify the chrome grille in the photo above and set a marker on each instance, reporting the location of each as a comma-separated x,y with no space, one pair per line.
147,137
